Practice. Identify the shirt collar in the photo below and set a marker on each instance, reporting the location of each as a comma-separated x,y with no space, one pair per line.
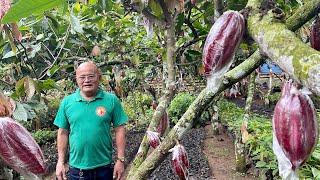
99,95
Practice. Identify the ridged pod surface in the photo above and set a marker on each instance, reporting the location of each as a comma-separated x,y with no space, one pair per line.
18,149
153,138
222,42
315,34
295,125
179,161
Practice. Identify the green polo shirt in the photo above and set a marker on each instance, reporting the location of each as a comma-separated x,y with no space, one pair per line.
88,123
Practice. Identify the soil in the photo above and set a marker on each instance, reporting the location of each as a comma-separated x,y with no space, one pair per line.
219,150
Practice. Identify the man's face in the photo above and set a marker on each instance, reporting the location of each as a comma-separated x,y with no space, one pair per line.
88,78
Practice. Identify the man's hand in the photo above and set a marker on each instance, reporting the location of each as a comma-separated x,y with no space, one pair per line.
61,171
118,170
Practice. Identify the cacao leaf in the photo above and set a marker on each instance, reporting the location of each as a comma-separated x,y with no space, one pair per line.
24,8
155,7
76,26
20,112
29,86
19,89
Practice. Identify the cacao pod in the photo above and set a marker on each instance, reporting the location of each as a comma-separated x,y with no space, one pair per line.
179,161
295,125
96,51
153,138
7,106
223,39
19,150
164,122
15,32
315,34
4,7
163,125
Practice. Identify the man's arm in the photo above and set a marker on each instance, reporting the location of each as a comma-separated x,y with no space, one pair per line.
120,133
62,143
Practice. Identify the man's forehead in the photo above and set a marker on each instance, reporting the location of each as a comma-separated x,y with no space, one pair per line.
87,66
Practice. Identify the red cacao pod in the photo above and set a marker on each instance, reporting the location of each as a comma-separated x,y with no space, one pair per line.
19,150
96,51
16,32
163,124
4,7
295,125
223,39
180,163
153,138
315,34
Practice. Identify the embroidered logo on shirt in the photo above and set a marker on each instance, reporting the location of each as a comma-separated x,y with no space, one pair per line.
101,111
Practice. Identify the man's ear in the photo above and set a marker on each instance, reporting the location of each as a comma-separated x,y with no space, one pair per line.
99,73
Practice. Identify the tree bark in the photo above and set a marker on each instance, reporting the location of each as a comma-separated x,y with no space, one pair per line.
283,47
164,100
241,138
218,9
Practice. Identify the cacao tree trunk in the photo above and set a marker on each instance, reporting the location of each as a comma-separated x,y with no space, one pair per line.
241,138
218,9
164,101
215,122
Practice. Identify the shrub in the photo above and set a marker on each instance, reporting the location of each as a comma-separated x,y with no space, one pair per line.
179,106
43,136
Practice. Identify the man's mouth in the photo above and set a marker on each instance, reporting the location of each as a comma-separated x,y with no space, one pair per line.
87,85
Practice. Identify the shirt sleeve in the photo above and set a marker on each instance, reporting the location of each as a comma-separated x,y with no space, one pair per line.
119,117
61,119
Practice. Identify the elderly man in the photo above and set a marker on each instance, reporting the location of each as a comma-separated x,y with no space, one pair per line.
84,119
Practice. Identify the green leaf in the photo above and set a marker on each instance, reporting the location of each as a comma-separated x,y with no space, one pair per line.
261,164
47,84
9,54
315,173
156,8
24,8
30,87
75,24
20,112
31,114
19,89
194,52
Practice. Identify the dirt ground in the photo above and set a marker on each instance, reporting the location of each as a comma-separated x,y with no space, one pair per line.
219,150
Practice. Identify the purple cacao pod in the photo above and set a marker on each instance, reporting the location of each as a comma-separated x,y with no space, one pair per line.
18,149
163,125
315,34
223,40
153,138
180,163
295,125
